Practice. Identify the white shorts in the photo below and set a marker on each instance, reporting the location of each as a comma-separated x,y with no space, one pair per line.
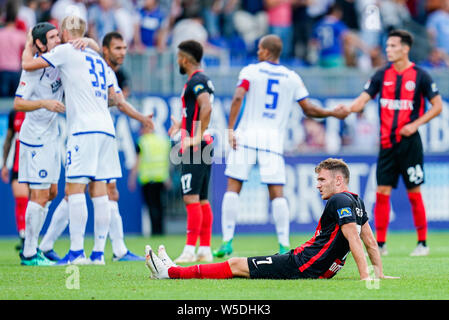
271,165
39,165
92,157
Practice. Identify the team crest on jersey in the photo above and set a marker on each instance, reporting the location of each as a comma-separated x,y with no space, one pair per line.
198,87
410,85
344,212
43,173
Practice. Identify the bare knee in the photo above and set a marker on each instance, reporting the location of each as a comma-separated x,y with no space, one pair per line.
113,193
239,267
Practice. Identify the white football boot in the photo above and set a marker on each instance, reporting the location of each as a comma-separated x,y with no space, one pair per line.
420,251
162,254
158,269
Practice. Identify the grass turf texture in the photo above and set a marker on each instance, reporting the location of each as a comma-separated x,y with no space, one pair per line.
421,277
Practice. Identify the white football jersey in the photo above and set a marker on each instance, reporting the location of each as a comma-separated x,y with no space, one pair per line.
272,92
85,79
40,125
114,80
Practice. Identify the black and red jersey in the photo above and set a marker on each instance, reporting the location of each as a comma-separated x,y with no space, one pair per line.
15,120
197,84
325,254
402,99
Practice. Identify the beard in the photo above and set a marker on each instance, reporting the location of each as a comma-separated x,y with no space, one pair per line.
182,70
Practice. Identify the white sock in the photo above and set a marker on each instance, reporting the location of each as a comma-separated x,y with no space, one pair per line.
189,249
116,231
229,210
77,220
58,223
281,218
102,220
34,219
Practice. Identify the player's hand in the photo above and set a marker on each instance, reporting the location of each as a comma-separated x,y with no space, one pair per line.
80,43
29,41
341,111
147,121
232,139
176,125
408,130
54,106
5,174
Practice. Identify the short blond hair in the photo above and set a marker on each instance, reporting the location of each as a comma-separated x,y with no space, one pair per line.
333,165
75,25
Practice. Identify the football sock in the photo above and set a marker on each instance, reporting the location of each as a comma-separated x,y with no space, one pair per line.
381,216
229,211
21,207
102,220
116,231
194,221
220,270
77,220
206,225
419,214
58,223
34,217
281,220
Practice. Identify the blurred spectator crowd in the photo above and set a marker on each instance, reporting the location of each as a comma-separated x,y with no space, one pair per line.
324,33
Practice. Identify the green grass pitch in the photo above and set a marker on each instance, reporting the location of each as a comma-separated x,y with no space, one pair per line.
422,278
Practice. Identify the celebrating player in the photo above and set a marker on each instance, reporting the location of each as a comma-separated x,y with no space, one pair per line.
196,151
341,229
114,50
268,92
403,88
92,156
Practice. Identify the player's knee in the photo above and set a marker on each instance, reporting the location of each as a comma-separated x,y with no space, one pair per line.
239,267
386,190
53,192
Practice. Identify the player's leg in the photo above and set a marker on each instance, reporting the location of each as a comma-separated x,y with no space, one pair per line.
387,175
412,170
119,249
20,192
76,199
36,213
238,167
102,219
272,172
281,216
204,252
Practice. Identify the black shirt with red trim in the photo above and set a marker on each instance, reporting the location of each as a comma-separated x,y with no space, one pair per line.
402,99
325,254
15,120
197,84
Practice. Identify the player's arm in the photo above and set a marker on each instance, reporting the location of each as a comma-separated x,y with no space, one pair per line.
28,62
435,110
372,249
355,245
125,107
6,148
359,103
24,105
82,43
236,104
204,102
314,111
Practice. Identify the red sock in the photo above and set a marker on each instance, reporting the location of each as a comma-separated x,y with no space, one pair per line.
381,216
21,207
220,270
206,225
194,220
419,214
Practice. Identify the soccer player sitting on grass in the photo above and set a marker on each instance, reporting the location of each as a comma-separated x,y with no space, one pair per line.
341,229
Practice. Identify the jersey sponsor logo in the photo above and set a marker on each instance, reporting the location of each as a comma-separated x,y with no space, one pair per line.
23,83
388,83
344,212
396,104
198,88
410,85
434,87
56,85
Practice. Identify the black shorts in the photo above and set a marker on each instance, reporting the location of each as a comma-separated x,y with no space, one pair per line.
14,176
405,159
195,173
278,266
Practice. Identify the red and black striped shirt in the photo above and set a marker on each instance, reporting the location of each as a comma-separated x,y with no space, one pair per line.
197,83
325,254
402,99
15,120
